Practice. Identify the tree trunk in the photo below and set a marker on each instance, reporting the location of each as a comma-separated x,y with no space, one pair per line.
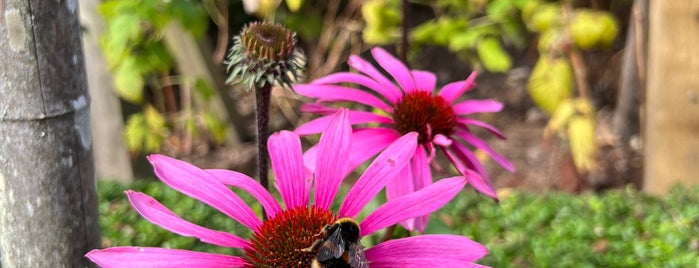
106,121
672,98
48,205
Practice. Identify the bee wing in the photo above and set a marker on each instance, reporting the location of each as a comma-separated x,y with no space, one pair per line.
357,258
332,247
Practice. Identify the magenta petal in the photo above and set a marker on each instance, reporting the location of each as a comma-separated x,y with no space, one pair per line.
477,106
482,185
454,90
333,151
384,168
253,187
394,67
316,108
400,186
368,142
480,144
387,89
346,77
415,204
468,121
422,176
149,257
446,250
158,214
287,164
355,117
203,186
424,80
325,93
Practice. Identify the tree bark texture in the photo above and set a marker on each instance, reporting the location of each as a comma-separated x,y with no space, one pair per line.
112,160
48,205
672,98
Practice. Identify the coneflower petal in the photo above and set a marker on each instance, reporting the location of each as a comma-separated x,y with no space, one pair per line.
442,249
387,89
253,187
333,149
424,80
149,257
287,164
477,106
326,93
395,68
454,90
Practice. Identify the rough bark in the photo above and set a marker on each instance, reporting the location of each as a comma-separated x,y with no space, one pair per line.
672,97
48,206
106,121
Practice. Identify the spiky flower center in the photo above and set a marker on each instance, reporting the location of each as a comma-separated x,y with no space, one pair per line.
269,41
424,113
280,241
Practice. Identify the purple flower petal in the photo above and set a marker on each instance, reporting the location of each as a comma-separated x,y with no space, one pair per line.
422,176
355,117
400,186
468,121
454,90
384,168
148,257
316,108
482,185
367,142
387,89
465,156
395,68
325,93
158,214
287,164
477,106
203,186
426,251
424,80
333,150
480,144
242,181
368,82
412,205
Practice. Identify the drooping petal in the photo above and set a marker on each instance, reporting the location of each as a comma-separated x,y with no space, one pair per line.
333,150
388,89
384,168
158,214
422,177
424,80
469,121
253,187
426,251
346,77
480,144
203,186
355,117
325,93
395,68
454,90
467,158
367,142
287,164
400,186
481,184
412,205
477,106
149,257
317,108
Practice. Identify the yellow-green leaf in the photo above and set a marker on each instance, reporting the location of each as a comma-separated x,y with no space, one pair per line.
559,119
493,56
550,82
593,28
294,5
581,135
128,81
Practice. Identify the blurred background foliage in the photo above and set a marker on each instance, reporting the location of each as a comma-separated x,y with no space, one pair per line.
619,228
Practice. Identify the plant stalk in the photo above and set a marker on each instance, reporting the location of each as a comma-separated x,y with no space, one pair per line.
263,96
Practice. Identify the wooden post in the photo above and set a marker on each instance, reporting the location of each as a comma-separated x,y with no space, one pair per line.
112,160
48,205
672,98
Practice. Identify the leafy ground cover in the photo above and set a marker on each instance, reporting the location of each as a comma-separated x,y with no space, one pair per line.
617,228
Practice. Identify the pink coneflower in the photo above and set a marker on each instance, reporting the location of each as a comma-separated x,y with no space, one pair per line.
293,226
411,105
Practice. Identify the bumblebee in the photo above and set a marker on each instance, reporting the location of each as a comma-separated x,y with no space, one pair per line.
338,246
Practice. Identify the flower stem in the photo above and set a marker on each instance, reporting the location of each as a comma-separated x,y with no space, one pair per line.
263,97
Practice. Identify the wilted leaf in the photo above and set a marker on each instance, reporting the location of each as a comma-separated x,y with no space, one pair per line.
581,135
559,119
593,28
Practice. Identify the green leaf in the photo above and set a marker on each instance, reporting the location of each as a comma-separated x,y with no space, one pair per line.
134,132
499,9
204,89
128,81
493,56
215,127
